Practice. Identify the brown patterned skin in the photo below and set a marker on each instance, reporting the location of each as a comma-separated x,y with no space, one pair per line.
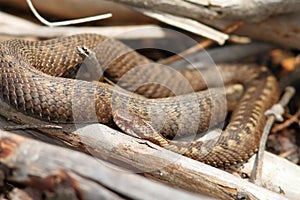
25,86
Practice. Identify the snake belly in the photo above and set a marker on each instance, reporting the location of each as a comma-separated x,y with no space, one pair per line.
32,82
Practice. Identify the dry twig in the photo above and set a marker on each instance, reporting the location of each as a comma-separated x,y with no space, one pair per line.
274,114
153,161
67,22
197,47
291,119
61,172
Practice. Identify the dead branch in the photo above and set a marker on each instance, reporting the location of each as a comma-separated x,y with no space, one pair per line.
231,10
251,10
281,29
15,26
78,9
69,173
281,177
115,147
148,159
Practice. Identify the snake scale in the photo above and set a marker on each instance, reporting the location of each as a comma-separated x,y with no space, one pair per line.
35,80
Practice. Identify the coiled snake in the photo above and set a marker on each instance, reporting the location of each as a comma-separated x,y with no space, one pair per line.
31,82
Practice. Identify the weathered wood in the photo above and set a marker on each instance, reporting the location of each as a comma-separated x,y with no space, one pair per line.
282,177
113,146
251,10
282,29
71,9
73,174
149,159
15,26
189,25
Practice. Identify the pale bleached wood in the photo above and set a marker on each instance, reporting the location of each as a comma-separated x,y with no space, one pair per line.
207,182
283,30
15,26
150,160
71,9
11,25
186,24
278,174
251,10
190,25
45,167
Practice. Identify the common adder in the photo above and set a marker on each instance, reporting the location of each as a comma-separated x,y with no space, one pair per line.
32,82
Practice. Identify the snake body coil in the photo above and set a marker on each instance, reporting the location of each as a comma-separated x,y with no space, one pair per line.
25,86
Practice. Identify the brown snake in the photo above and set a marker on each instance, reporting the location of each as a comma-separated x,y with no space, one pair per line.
27,88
